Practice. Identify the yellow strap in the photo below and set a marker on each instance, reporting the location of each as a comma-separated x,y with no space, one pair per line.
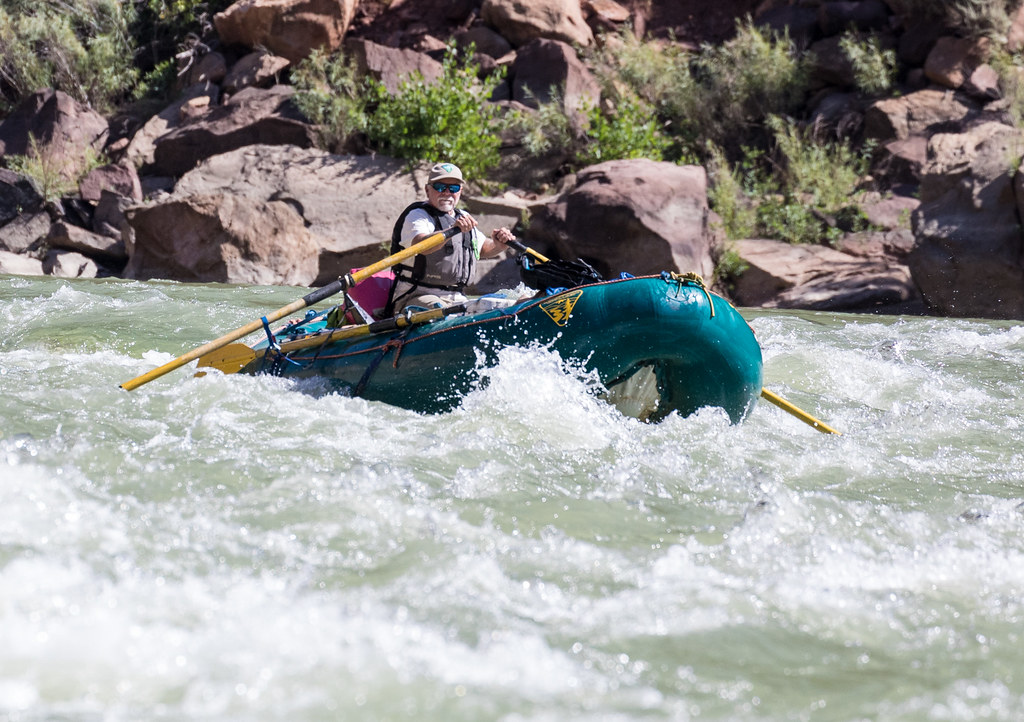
694,279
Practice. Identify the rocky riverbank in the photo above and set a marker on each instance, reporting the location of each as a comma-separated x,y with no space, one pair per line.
226,184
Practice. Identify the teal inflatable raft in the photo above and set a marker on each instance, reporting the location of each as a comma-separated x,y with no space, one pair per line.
658,344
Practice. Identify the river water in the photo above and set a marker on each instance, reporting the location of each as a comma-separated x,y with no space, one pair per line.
239,548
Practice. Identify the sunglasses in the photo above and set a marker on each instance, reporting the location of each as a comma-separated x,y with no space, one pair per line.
452,188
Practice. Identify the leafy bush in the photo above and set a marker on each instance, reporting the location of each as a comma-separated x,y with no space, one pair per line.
48,171
826,172
446,119
628,131
720,94
546,130
803,193
162,26
976,18
727,197
874,68
83,48
729,266
330,93
754,75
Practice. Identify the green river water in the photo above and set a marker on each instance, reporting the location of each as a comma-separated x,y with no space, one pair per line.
245,548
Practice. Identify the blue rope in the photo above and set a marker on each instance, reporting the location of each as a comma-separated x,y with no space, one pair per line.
274,347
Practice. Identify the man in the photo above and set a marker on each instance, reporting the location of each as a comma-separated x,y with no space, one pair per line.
437,279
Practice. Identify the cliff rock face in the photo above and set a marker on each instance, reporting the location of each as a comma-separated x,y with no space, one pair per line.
189,189
968,258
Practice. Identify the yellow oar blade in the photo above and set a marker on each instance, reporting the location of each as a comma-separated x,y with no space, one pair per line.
797,412
347,281
228,359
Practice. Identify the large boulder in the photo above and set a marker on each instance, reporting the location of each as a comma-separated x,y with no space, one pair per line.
544,66
784,275
349,203
53,126
968,257
290,28
18,194
110,251
392,66
254,115
916,113
258,69
952,60
223,239
69,264
120,178
142,147
638,216
521,21
25,233
19,265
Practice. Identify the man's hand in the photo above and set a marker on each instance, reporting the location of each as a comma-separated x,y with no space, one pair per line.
503,236
465,222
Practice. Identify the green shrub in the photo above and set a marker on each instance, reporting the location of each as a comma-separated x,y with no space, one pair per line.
82,48
874,68
546,130
975,18
720,94
803,192
629,131
727,197
788,219
330,93
48,171
447,119
658,74
160,27
754,75
826,172
158,82
1011,83
729,266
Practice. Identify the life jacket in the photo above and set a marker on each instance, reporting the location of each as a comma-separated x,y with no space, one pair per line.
450,270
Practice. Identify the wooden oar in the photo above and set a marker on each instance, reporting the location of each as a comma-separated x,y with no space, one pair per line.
799,413
523,248
234,357
347,281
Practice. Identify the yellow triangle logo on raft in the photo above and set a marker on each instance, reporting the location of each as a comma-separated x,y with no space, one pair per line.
560,307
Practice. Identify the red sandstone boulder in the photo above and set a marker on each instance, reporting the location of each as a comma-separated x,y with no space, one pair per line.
784,275
290,28
969,257
521,21
392,66
223,239
57,128
638,216
252,116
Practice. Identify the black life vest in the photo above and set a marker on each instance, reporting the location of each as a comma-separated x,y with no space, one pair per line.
415,274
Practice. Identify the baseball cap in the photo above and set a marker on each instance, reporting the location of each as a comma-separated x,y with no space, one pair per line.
445,171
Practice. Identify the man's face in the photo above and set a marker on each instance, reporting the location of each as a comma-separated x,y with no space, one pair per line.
441,196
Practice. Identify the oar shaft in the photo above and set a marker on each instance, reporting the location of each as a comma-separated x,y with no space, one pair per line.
369,329
345,282
797,412
523,248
